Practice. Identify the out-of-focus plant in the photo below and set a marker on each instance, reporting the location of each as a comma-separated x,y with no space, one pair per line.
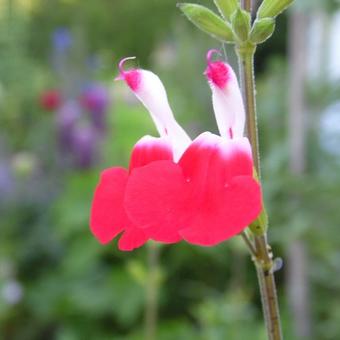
80,105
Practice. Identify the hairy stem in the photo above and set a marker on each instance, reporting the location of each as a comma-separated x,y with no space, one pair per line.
263,260
151,306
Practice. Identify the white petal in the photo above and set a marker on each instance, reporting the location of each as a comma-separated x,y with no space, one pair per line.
226,98
229,109
150,91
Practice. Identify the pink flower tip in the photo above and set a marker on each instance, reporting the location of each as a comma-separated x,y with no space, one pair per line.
217,72
132,77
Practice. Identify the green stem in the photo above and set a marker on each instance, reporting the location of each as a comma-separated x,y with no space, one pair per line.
152,287
246,61
263,260
249,244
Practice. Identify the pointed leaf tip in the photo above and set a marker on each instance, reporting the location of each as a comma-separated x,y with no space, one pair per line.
208,21
226,7
240,21
272,8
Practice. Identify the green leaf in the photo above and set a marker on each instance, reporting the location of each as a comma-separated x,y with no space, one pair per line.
227,7
208,21
240,22
262,30
272,8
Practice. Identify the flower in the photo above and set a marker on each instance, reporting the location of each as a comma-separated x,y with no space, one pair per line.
206,193
50,100
66,120
96,100
108,214
62,39
84,146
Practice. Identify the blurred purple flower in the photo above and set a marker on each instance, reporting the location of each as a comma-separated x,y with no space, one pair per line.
6,181
67,117
96,100
62,39
85,141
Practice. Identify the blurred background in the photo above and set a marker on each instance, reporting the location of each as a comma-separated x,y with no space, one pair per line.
63,119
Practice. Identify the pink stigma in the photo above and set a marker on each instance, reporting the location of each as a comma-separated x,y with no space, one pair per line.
132,77
217,71
210,53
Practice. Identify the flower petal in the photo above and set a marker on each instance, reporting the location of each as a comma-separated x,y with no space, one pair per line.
226,98
149,149
155,199
108,217
149,89
131,239
225,215
209,196
228,196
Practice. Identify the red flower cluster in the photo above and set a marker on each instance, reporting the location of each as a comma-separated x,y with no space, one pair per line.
201,191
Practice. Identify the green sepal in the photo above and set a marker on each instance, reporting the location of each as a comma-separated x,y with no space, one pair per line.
272,8
262,30
226,7
240,22
260,225
208,21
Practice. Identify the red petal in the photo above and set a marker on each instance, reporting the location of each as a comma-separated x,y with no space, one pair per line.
156,199
210,195
149,149
225,215
228,197
108,217
131,239
236,157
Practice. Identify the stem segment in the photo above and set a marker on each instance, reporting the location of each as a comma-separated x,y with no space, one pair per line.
263,259
151,306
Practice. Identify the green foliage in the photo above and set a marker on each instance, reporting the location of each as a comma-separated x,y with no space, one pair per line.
262,30
272,8
226,7
240,22
109,26
207,21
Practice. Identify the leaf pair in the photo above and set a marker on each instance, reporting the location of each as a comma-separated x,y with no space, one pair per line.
235,24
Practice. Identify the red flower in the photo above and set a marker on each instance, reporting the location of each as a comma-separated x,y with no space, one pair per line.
205,194
108,214
50,100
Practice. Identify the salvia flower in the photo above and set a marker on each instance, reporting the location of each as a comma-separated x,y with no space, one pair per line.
201,191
